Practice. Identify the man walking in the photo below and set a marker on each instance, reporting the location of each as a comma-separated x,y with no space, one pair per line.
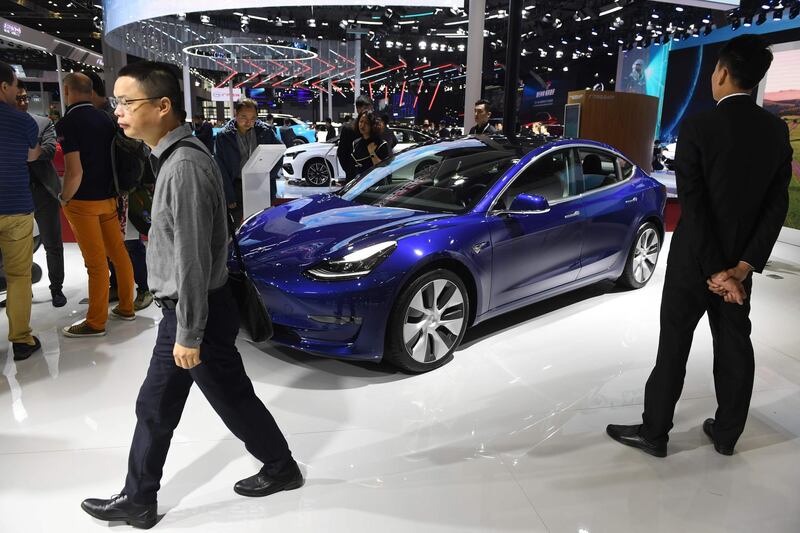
186,258
45,187
90,205
19,144
733,170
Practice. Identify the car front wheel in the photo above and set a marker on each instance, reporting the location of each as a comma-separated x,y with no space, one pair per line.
317,173
428,322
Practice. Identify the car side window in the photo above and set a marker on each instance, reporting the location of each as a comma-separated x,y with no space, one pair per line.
417,137
626,168
551,176
599,169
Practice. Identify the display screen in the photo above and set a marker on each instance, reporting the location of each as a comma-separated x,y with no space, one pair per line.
572,120
782,97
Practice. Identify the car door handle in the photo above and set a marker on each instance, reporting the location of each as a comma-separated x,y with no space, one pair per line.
573,214
632,200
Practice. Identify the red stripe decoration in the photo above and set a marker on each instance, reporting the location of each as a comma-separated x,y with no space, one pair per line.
419,90
435,92
402,93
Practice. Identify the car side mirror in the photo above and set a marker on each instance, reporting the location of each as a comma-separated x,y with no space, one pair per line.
527,204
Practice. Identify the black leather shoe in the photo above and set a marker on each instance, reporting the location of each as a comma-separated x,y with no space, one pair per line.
59,300
22,351
629,436
708,429
262,484
120,509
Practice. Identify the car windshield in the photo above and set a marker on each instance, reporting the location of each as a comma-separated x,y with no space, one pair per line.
442,177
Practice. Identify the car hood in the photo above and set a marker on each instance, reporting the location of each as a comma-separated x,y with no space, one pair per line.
307,230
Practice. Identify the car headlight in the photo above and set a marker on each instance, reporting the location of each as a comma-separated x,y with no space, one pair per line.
292,155
354,265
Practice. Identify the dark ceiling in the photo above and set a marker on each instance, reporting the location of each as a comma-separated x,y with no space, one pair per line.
554,33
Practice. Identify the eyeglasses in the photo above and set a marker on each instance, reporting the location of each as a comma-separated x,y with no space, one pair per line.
125,104
23,98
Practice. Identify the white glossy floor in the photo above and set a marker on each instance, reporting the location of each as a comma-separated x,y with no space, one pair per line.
508,437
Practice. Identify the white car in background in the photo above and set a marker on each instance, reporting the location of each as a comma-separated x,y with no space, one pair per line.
316,165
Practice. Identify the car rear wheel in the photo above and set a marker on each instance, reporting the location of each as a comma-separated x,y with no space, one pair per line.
317,173
642,258
428,322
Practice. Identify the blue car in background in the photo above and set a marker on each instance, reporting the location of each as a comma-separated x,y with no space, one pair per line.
443,236
303,133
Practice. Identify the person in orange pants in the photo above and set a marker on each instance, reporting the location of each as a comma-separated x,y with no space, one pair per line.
96,229
90,205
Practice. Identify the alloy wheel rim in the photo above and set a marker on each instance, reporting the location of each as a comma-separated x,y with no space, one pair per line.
317,173
646,255
434,321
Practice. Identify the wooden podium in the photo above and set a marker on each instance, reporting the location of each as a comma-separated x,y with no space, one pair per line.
626,121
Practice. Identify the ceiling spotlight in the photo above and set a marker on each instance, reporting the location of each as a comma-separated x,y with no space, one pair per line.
557,23
434,46
461,48
748,21
205,19
778,14
423,45
312,23
181,17
594,32
343,24
679,9
244,24
655,15
707,19
577,16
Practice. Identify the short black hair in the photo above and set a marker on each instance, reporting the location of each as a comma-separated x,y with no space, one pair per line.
7,73
484,103
21,86
200,116
270,117
246,103
363,101
98,86
157,80
747,59
328,119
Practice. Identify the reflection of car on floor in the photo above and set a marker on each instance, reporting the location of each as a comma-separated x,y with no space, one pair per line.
439,237
36,270
316,164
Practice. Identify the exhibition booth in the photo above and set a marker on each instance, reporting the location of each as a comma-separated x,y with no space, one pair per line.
455,317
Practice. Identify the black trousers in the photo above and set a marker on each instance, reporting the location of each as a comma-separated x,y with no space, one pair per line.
138,255
221,378
47,212
684,301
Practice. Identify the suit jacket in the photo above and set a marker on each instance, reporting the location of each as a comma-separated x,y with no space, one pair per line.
488,130
42,170
733,168
205,132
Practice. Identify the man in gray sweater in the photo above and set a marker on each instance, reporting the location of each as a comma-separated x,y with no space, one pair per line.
186,261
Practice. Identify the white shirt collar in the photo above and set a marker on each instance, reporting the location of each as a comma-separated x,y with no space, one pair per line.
731,96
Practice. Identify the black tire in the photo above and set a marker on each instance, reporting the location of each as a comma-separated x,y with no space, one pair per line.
299,140
312,173
639,267
397,351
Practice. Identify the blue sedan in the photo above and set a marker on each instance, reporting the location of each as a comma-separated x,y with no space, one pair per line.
399,263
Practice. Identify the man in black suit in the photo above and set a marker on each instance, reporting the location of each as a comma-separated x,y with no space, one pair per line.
733,170
482,115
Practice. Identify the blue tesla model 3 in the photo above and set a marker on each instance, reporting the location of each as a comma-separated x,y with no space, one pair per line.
399,263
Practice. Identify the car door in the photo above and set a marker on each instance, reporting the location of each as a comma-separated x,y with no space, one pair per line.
610,204
533,253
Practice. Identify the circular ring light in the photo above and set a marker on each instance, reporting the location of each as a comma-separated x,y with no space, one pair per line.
238,51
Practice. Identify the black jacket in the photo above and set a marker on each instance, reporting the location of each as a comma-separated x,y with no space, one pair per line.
226,153
488,131
205,132
344,151
733,168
